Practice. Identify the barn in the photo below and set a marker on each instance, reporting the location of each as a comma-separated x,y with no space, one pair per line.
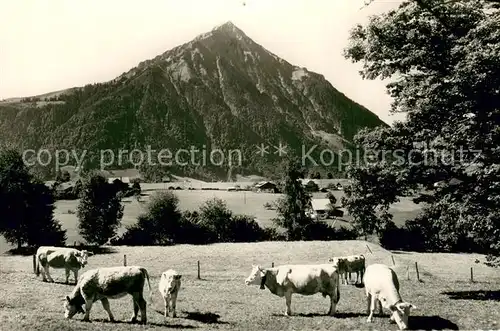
266,186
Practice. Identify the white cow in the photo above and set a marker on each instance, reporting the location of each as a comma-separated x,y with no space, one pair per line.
382,286
70,259
113,283
301,279
169,286
350,264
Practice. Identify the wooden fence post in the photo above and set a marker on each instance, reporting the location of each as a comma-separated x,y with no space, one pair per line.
416,268
199,277
408,272
34,263
272,265
393,262
124,260
471,275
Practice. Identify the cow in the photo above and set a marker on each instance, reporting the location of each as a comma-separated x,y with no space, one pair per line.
340,264
285,280
108,283
70,259
350,264
382,286
169,286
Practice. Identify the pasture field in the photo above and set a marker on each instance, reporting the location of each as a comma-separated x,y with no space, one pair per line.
240,202
221,301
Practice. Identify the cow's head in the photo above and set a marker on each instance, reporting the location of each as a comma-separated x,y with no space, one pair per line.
83,256
256,277
400,314
173,282
339,263
71,308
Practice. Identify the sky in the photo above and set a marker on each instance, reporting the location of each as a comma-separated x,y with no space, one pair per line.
51,45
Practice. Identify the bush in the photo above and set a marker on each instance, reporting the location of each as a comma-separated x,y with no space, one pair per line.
242,228
136,188
319,230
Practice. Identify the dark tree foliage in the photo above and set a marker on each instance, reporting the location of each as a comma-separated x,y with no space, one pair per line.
26,205
100,210
292,208
443,59
162,219
216,216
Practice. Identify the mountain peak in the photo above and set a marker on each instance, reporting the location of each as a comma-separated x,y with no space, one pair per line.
229,27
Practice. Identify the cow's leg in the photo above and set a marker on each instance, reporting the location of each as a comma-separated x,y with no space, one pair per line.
142,306
288,301
368,303
48,273
42,271
372,308
334,299
166,299
105,305
379,304
174,302
66,270
136,310
88,306
139,304
75,272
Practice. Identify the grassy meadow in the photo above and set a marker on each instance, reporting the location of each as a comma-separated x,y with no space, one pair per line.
240,202
220,300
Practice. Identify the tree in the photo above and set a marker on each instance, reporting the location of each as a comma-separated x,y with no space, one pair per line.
63,176
136,189
292,208
216,216
26,205
444,62
100,210
163,217
333,209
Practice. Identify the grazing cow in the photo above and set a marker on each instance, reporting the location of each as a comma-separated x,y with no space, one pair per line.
348,265
170,284
382,286
301,279
70,259
108,283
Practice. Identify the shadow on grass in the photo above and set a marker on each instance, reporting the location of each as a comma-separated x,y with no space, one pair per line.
480,295
431,323
71,283
337,315
173,326
29,251
207,318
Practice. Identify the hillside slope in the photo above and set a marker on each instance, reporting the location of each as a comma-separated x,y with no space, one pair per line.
220,90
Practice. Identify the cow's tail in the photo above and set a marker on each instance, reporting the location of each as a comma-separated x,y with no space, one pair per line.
146,275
